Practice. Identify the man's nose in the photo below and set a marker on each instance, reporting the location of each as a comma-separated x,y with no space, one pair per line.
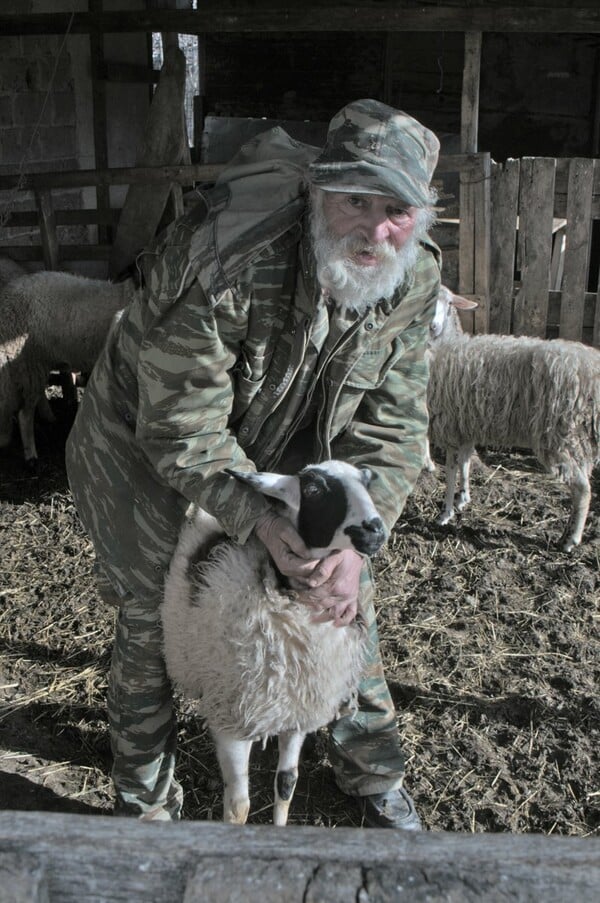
376,227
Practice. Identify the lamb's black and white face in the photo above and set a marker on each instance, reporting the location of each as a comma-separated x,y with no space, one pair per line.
329,504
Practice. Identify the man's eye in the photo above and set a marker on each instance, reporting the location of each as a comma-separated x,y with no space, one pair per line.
397,212
355,201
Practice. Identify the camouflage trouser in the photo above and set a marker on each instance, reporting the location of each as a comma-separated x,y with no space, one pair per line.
364,746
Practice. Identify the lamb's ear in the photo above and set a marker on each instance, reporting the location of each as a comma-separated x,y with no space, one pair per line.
276,485
461,303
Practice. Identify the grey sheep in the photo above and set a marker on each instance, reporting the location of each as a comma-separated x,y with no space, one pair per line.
49,321
506,392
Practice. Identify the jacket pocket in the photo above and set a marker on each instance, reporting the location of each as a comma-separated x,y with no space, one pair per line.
373,366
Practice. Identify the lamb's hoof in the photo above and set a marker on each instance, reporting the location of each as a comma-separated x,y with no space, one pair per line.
567,545
444,519
236,813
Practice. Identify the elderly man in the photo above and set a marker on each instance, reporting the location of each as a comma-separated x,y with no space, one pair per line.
283,320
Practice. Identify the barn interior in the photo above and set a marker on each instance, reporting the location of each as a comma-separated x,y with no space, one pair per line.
112,114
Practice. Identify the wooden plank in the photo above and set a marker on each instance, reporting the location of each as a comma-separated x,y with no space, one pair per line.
577,248
185,175
117,859
22,879
387,15
469,115
47,225
85,217
473,231
66,252
131,175
504,207
482,222
536,202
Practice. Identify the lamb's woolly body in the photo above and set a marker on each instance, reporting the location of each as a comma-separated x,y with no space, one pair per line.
247,651
509,391
48,321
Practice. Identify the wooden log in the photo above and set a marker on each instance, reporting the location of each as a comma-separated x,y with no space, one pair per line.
577,249
117,860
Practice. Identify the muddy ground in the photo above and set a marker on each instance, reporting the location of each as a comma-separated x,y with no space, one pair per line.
491,639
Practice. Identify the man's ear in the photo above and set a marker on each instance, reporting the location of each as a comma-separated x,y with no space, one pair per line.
275,485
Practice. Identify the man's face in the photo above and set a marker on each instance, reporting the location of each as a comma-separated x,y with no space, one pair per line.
365,244
371,218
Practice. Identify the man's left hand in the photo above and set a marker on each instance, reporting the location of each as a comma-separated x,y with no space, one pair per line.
332,588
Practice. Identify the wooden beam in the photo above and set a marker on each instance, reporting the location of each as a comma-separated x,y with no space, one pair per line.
129,175
385,16
87,857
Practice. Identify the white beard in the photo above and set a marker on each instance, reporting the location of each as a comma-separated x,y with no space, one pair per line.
354,286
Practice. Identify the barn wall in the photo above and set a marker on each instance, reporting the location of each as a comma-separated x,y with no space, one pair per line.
46,110
538,94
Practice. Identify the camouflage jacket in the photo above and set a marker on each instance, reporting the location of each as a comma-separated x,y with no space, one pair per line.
231,348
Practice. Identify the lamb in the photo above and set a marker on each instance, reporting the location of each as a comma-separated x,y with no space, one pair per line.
508,391
49,321
244,649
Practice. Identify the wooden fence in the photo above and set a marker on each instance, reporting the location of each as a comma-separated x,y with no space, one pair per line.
522,237
545,248
462,181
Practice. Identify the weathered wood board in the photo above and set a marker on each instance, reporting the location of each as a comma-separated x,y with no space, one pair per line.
73,858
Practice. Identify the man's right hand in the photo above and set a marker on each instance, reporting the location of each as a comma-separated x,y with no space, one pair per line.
285,546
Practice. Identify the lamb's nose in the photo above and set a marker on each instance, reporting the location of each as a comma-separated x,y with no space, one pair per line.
375,525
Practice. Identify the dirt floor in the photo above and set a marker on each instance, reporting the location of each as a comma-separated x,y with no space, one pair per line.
491,639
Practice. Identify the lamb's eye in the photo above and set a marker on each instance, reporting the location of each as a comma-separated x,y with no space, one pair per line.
311,489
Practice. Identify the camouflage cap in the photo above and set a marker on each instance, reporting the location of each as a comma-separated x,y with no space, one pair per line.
374,149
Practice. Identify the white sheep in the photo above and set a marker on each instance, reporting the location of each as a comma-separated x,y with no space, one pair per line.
240,645
514,392
49,321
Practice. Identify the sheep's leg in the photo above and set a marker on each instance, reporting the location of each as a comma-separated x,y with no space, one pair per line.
44,410
290,744
581,494
234,756
26,429
463,498
451,471
68,385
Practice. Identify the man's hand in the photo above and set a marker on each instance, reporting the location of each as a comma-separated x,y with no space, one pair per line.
332,588
285,547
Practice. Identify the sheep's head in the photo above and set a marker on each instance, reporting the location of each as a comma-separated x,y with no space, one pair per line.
328,503
445,323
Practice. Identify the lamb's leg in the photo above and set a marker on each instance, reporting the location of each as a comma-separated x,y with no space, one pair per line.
234,756
581,494
451,470
428,462
465,453
290,744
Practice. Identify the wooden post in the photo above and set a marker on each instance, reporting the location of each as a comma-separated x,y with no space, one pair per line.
474,231
47,222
